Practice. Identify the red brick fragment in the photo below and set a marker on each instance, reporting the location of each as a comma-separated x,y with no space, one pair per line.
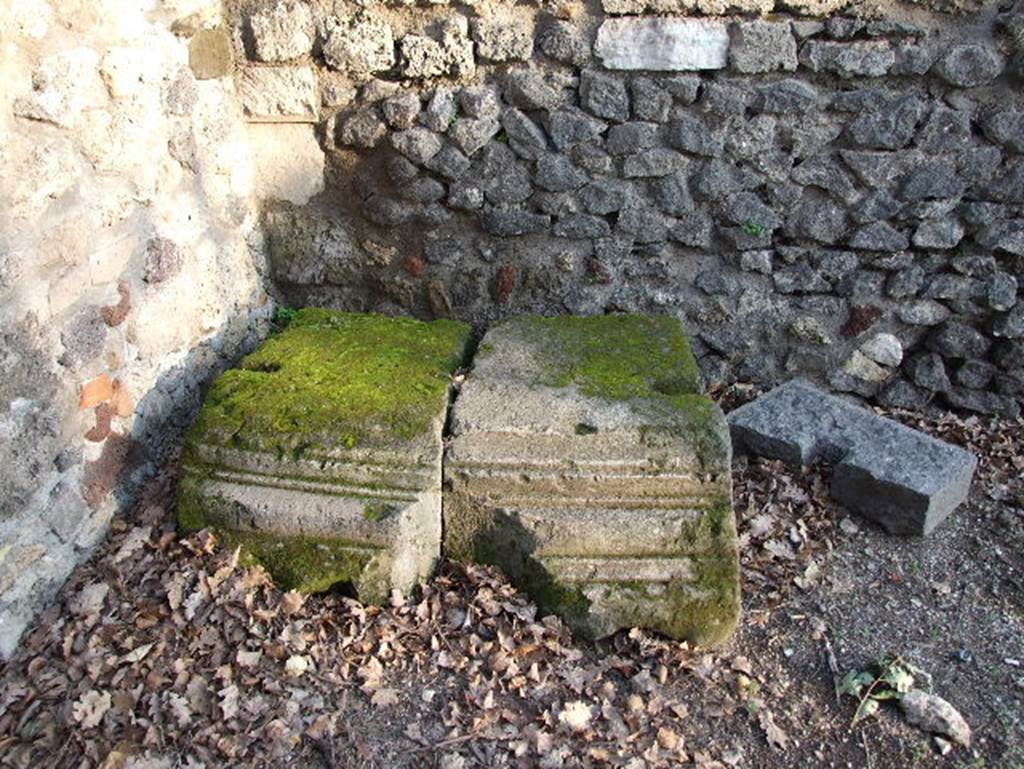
505,283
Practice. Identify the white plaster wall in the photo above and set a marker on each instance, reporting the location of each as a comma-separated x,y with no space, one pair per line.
124,180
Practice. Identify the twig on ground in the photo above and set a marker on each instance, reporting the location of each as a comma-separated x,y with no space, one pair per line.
867,753
833,666
444,743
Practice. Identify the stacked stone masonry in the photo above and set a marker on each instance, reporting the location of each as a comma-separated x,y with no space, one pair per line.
838,197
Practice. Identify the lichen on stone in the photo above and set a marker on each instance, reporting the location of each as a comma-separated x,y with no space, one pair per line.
334,379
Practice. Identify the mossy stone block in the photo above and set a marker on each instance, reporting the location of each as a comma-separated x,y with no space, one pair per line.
320,454
586,462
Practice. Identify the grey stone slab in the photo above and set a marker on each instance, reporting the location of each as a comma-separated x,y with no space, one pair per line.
585,463
667,43
902,479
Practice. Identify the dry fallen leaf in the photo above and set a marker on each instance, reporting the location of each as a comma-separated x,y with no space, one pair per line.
296,665
576,715
383,698
90,708
776,737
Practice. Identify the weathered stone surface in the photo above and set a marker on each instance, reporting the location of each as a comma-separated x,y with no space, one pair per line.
650,100
323,476
565,42
785,97
515,222
531,89
279,94
691,134
472,134
209,54
361,46
862,59
879,237
289,160
884,349
363,129
568,128
902,479
585,463
942,234
282,31
401,111
422,57
666,44
890,127
504,33
969,65
762,46
417,144
604,95
440,111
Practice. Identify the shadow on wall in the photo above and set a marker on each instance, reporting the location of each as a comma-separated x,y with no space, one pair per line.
170,407
57,501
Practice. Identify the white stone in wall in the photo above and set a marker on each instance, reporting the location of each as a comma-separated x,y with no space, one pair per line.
279,94
288,161
282,31
663,44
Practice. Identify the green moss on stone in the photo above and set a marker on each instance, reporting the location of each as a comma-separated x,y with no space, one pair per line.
335,379
377,511
616,356
305,564
191,511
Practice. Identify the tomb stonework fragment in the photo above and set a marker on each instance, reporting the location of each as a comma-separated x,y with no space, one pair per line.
898,477
320,455
585,463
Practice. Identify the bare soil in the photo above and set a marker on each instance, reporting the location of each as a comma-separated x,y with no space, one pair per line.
165,652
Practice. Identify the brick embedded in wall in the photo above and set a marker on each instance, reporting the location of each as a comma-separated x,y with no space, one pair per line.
841,198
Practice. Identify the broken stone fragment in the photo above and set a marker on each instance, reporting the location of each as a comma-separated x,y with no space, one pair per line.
320,455
586,464
933,714
900,478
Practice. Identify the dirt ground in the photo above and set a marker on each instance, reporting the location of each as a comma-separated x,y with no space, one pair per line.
164,652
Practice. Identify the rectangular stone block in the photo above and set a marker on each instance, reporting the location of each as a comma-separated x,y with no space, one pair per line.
902,479
283,94
321,453
585,462
666,43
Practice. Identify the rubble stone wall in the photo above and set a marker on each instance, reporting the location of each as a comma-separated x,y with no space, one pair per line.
816,188
129,269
